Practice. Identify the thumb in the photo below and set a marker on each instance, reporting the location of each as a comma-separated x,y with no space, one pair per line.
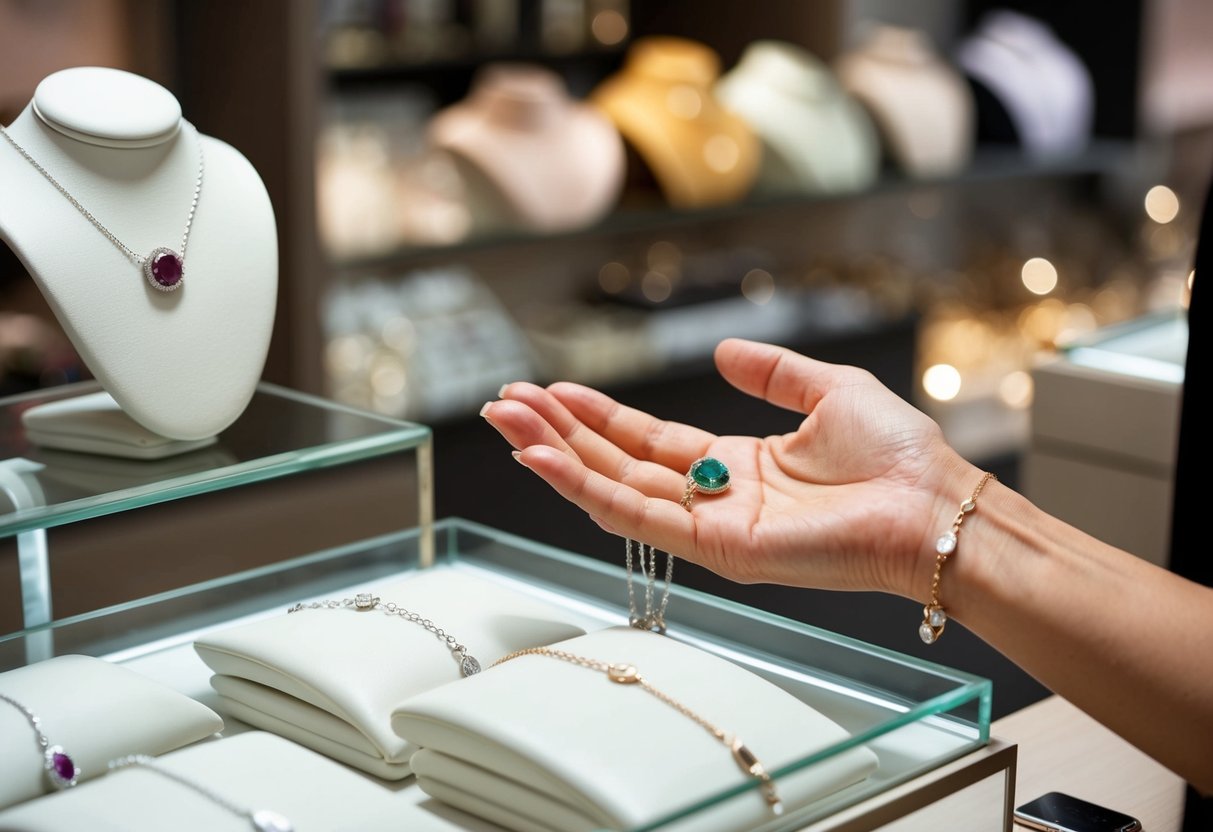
778,375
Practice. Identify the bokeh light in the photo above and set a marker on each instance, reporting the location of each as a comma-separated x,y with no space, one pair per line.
1039,276
942,382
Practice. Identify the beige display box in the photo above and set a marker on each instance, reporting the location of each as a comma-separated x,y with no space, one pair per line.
1105,422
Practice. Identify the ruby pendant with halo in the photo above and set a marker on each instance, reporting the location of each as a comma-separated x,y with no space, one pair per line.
60,768
164,269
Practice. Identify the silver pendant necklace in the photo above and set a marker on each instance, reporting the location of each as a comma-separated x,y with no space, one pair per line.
369,602
61,770
164,268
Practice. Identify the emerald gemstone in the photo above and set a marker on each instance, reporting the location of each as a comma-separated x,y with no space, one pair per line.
710,475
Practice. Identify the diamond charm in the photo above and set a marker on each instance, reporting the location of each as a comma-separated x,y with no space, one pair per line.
469,666
164,269
266,821
60,768
365,601
946,543
937,617
926,633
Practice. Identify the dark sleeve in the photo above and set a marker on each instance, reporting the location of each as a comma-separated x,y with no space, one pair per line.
1188,559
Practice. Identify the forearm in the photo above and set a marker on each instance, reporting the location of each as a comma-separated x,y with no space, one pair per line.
1130,643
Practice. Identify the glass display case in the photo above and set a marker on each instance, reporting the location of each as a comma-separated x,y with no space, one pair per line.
919,718
280,433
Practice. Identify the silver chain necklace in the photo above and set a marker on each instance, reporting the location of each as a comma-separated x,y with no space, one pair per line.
262,820
366,602
61,770
164,268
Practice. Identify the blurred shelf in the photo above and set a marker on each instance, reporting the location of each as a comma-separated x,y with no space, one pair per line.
990,165
442,72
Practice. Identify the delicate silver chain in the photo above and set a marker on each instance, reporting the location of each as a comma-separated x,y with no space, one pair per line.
35,721
262,820
366,602
653,619
189,221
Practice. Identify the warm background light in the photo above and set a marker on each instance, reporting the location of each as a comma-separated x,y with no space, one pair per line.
942,382
1162,205
758,286
1039,276
1016,389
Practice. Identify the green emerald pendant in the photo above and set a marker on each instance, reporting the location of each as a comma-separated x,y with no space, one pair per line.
710,475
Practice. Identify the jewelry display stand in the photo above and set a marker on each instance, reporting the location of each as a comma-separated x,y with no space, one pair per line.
662,102
1041,83
922,105
816,139
532,157
179,353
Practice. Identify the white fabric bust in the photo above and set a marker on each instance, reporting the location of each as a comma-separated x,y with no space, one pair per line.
183,364
815,137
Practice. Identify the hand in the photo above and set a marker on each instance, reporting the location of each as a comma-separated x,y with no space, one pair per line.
853,499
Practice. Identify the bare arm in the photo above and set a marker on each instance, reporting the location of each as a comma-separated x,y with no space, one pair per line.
853,499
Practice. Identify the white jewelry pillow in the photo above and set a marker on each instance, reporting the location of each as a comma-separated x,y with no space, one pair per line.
96,711
253,771
329,678
547,744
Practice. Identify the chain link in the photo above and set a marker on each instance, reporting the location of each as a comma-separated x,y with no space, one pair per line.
35,721
365,602
125,249
628,674
262,820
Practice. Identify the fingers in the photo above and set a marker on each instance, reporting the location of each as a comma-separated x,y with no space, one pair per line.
522,426
780,376
617,507
563,431
635,432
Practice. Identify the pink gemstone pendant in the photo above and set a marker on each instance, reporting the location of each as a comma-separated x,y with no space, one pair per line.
60,769
164,269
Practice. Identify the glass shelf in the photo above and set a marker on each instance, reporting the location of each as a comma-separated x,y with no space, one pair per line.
991,164
281,432
914,715
1154,347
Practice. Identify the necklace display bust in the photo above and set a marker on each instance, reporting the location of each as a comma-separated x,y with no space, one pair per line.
815,137
1041,83
182,364
532,156
923,107
663,104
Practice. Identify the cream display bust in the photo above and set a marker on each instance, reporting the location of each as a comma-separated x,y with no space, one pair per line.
663,104
183,364
815,137
543,161
922,105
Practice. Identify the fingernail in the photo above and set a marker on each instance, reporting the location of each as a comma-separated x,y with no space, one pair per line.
518,458
501,392
484,411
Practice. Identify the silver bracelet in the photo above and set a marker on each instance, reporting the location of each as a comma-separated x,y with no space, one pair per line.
366,602
263,820
61,770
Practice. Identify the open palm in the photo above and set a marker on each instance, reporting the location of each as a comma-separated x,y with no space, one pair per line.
847,501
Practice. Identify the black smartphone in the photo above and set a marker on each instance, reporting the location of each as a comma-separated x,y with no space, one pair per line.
1057,812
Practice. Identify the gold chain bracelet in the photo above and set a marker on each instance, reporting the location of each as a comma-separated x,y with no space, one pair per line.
626,674
934,618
